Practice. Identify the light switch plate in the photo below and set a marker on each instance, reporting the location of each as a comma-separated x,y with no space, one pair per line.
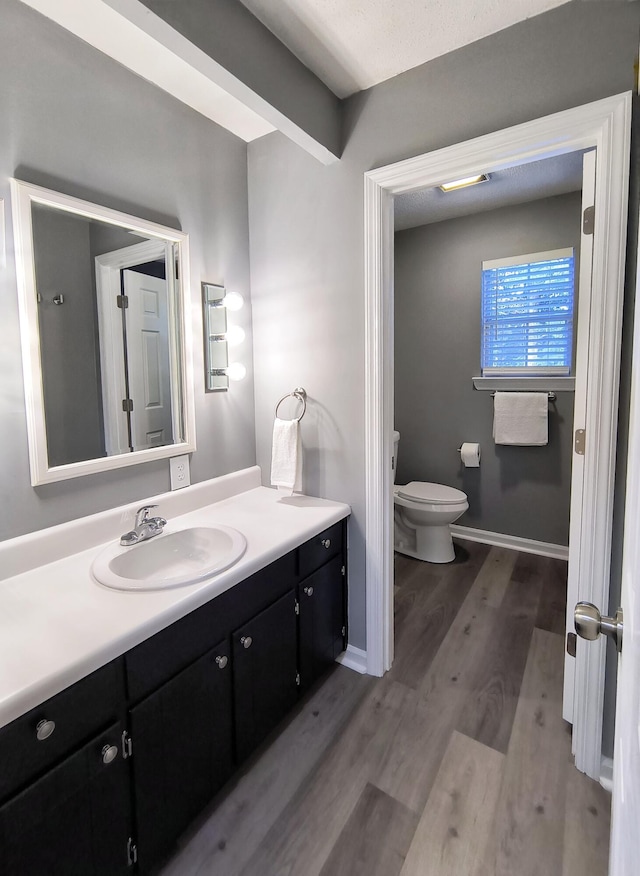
179,472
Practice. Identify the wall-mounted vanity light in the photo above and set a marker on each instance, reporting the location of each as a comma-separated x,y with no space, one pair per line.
218,337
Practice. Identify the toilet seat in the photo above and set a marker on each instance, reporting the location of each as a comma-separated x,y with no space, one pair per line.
431,494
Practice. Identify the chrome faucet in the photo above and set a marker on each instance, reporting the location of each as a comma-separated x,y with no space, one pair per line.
145,527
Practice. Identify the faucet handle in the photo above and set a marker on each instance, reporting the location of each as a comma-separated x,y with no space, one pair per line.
142,514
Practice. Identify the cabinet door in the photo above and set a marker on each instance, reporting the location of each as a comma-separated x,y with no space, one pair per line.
265,672
181,751
321,598
76,820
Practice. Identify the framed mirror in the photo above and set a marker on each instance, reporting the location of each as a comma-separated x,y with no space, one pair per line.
106,342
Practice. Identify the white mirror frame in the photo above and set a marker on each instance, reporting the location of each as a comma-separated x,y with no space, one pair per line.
23,195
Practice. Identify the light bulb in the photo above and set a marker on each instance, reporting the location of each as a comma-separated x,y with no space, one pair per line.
233,301
235,335
236,371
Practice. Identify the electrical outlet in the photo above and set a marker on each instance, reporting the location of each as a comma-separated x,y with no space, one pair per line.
179,472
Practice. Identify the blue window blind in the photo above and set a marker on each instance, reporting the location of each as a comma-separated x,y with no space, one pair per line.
527,314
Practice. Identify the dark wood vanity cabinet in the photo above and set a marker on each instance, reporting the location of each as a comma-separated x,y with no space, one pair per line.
265,669
181,751
322,621
76,819
103,778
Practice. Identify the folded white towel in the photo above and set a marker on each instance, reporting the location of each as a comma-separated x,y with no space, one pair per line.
286,455
521,418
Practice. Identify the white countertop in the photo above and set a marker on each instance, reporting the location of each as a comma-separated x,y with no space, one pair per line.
57,624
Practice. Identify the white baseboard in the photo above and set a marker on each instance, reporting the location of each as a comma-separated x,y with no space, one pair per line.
514,542
354,658
606,774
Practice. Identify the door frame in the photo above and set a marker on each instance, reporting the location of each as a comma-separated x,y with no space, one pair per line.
605,125
108,268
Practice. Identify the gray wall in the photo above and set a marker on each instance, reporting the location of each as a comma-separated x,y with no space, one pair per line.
306,221
227,32
523,491
68,336
75,121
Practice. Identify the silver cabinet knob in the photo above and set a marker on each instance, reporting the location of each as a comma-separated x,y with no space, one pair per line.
326,543
309,590
109,753
589,623
222,660
246,641
44,729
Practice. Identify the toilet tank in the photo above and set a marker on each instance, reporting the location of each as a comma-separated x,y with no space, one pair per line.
396,439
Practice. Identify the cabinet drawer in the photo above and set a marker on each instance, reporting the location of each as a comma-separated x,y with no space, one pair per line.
319,549
74,715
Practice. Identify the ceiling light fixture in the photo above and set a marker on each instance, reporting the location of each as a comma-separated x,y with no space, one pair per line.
463,183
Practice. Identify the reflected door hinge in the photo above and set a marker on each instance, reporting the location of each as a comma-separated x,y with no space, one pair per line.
127,745
297,679
297,607
122,301
127,405
580,442
588,220
344,631
571,644
132,852
343,571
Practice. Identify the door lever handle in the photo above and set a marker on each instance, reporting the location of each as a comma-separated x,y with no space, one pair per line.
589,623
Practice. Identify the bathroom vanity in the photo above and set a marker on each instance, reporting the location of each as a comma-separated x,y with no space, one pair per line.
105,774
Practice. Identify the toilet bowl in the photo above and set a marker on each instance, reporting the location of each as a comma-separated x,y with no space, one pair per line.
423,513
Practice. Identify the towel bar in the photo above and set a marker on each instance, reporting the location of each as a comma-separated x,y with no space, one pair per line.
300,394
551,395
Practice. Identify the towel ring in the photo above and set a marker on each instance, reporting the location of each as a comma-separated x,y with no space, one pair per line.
301,395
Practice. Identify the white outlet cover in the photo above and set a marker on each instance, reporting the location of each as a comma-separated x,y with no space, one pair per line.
179,472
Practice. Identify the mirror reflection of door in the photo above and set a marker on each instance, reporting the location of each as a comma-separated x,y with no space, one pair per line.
147,355
134,291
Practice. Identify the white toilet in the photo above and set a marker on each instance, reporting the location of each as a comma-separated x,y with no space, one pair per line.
422,513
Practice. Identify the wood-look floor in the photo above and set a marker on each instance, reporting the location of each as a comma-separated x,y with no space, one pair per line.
456,763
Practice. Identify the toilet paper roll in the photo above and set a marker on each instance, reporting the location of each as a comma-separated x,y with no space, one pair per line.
470,455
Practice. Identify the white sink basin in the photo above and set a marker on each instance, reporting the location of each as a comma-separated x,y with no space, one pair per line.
173,559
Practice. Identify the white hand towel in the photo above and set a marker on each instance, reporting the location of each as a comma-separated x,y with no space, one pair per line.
521,418
286,455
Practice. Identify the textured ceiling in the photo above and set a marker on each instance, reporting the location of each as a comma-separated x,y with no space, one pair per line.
354,44
516,185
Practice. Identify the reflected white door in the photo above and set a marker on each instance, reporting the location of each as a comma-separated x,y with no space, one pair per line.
148,360
625,815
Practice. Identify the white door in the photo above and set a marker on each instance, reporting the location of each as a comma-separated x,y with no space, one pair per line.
579,422
148,360
625,815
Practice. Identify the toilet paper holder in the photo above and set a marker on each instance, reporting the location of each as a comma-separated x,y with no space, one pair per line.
470,454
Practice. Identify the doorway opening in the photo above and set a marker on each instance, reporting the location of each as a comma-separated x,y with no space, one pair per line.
605,127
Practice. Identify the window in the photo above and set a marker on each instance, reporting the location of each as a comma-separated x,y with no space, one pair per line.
527,314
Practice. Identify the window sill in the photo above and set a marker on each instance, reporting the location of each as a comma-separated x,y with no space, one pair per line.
525,384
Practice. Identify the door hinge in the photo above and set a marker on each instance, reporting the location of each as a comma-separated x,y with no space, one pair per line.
343,571
132,852
297,679
588,220
122,301
571,644
127,405
580,442
127,745
344,632
297,607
